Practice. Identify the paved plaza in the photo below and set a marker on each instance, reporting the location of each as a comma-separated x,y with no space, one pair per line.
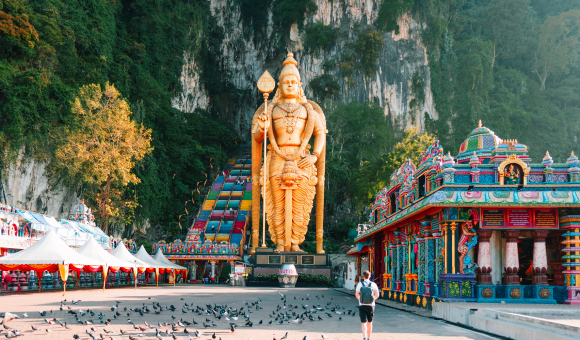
389,323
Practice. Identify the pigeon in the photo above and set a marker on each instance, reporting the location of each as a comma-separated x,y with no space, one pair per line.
76,336
47,330
213,336
285,336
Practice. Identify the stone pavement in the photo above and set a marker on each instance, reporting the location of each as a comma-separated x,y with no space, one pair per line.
389,323
396,305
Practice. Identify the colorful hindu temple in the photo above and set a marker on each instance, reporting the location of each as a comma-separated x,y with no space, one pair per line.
215,240
487,225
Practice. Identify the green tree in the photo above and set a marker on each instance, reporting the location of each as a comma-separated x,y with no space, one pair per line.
324,86
504,25
375,174
558,45
368,46
389,12
320,37
99,150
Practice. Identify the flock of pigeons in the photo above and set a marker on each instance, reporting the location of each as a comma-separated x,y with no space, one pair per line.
100,325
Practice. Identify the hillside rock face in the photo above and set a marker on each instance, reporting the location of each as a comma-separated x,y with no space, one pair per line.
25,185
243,60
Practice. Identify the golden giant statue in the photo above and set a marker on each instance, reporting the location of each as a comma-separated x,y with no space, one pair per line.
294,169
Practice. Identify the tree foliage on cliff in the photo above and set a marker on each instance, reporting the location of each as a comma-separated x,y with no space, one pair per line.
52,48
389,12
374,174
512,64
99,148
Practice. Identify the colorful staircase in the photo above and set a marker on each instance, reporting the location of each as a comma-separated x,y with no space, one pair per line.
225,212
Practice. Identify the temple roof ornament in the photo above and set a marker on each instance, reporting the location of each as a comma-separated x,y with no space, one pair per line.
547,161
572,160
481,140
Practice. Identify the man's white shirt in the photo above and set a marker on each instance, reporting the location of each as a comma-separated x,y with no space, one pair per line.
374,288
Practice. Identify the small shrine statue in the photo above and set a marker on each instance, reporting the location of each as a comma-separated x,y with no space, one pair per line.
512,175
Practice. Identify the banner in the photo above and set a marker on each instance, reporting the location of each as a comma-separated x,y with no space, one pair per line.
520,218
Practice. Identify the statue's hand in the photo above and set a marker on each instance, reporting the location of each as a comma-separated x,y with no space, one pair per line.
263,121
307,161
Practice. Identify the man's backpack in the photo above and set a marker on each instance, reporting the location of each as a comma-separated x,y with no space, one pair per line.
366,294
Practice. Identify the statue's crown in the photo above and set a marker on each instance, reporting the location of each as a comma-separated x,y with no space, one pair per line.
289,67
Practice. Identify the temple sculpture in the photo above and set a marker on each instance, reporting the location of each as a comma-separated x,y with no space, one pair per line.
294,169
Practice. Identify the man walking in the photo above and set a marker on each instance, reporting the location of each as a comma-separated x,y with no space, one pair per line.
366,293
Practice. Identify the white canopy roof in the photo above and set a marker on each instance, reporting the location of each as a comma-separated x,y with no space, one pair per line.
159,257
50,249
145,257
93,250
122,253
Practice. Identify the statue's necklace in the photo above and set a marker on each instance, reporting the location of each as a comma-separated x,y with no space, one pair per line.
289,118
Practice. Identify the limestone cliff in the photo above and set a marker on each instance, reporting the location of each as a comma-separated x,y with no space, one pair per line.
401,56
25,184
242,59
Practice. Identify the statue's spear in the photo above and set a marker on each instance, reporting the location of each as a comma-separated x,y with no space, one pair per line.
266,85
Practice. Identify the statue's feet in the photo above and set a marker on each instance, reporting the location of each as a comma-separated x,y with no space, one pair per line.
279,248
296,248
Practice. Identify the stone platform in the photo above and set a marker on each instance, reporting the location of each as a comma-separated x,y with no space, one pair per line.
265,262
515,321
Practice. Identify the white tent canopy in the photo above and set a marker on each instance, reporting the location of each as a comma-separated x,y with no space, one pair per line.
122,253
160,257
49,250
93,250
145,257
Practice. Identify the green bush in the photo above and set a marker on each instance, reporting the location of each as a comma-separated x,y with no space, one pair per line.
302,277
324,86
320,37
346,66
418,90
314,278
287,12
389,11
264,278
369,45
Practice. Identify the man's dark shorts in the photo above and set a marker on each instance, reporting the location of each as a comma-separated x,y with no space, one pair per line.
366,313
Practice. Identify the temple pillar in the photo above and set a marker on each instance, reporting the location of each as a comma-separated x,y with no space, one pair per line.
572,257
370,261
358,268
512,261
212,269
428,253
540,260
484,257
421,266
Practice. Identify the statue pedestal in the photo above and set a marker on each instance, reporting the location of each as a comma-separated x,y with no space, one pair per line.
267,262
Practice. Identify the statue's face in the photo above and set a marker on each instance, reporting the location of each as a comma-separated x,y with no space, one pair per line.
290,87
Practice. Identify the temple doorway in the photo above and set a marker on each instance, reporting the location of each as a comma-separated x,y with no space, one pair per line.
526,256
